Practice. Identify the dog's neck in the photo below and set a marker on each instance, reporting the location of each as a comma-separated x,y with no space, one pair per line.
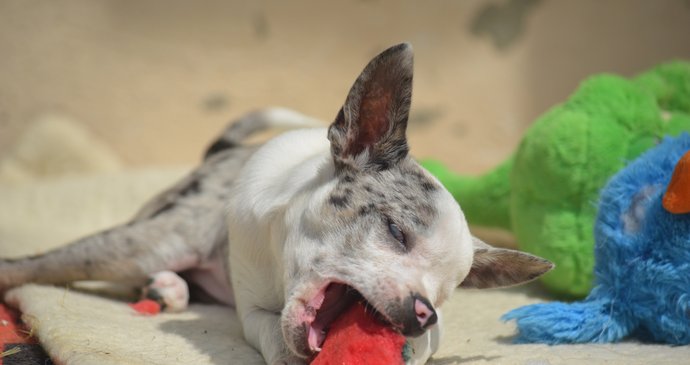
277,185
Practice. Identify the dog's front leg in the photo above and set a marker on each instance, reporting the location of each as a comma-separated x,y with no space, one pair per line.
262,330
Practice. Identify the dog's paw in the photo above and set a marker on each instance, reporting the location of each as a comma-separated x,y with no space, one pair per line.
167,288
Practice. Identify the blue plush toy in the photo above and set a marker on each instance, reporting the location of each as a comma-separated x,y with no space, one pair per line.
642,252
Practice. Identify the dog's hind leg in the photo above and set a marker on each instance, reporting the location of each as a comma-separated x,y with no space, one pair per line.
169,289
129,252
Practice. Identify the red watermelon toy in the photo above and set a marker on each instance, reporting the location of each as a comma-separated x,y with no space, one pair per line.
358,338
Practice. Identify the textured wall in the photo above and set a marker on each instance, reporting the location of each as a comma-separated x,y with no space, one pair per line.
157,79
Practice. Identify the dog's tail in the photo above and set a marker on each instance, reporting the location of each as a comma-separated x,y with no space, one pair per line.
592,320
263,119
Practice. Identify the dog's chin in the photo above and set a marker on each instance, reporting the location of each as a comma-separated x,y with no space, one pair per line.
307,329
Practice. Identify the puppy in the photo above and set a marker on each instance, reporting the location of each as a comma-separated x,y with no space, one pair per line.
294,231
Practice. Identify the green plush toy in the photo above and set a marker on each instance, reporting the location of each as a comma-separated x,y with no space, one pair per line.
545,193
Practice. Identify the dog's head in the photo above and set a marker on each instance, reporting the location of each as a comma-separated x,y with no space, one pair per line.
382,229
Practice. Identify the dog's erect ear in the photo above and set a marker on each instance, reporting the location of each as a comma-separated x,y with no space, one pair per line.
497,267
369,131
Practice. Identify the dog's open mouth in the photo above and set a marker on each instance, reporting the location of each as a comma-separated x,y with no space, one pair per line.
325,307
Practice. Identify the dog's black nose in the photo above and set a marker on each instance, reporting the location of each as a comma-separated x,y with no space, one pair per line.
419,315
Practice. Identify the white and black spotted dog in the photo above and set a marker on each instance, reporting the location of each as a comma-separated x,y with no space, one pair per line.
294,231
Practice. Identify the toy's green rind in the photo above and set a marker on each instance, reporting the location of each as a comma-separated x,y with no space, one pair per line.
546,192
484,199
407,352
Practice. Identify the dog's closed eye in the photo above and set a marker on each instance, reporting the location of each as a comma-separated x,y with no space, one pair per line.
397,233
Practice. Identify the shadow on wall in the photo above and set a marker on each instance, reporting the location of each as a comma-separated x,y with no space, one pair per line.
503,23
566,42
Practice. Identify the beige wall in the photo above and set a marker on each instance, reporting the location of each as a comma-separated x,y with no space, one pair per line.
157,79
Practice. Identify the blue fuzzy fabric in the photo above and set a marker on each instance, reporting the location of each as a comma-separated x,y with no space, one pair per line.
642,270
